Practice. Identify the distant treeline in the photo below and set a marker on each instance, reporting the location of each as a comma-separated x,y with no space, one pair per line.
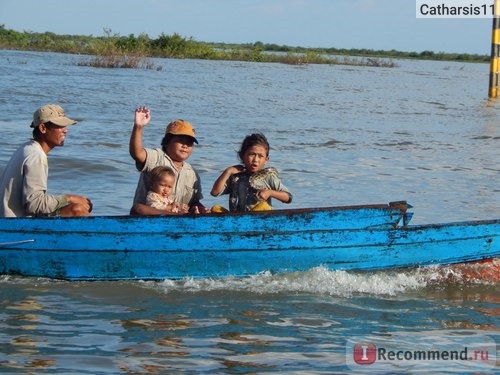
113,50
424,55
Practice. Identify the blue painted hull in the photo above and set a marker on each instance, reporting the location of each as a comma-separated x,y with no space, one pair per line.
217,245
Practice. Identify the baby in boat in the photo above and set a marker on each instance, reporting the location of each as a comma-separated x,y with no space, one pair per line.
160,195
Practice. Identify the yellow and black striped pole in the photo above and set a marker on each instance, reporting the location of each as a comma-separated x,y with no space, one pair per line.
495,51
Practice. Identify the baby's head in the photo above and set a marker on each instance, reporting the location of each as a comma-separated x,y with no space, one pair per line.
161,180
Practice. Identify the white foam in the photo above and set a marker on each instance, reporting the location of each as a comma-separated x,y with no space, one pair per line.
319,280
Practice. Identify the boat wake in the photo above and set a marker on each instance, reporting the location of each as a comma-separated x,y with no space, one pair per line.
320,280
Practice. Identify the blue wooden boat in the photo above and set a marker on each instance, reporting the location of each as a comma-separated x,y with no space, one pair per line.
365,237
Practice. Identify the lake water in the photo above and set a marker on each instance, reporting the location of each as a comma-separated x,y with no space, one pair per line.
424,132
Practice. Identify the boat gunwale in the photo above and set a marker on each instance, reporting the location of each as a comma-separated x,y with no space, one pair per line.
403,206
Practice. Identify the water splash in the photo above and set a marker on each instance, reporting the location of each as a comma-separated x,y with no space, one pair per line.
321,280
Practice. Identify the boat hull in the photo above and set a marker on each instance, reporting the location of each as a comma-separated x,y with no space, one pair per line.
110,248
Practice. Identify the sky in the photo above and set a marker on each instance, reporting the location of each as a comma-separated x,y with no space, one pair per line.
370,24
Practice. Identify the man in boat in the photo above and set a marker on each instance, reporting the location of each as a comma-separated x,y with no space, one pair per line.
23,185
176,147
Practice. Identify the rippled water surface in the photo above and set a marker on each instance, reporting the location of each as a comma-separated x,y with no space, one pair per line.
422,132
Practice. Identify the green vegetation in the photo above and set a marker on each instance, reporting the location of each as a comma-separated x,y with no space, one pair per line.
115,51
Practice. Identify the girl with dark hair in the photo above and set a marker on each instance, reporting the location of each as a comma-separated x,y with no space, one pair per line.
251,186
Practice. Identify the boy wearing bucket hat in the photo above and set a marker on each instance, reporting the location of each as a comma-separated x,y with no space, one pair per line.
176,148
23,185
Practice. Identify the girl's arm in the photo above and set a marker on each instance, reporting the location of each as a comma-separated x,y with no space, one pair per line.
282,196
220,183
